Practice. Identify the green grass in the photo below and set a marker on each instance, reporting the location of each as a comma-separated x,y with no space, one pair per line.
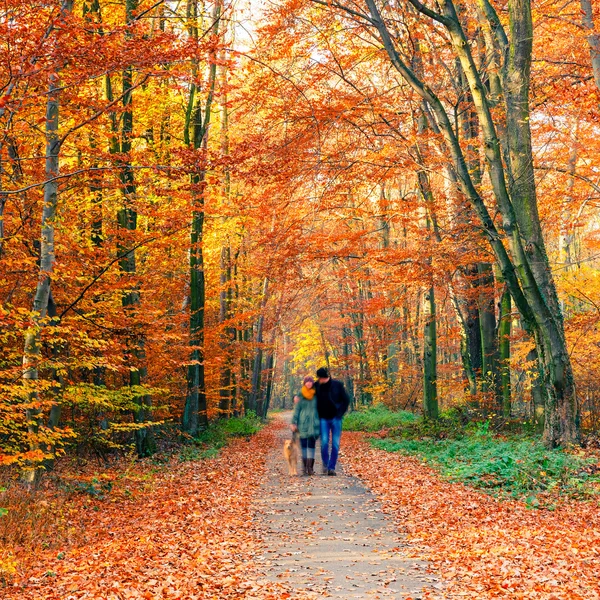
376,418
517,466
209,442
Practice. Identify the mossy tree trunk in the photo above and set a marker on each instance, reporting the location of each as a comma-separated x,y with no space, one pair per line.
196,128
523,260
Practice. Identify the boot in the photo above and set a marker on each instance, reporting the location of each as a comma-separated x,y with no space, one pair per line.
311,464
305,466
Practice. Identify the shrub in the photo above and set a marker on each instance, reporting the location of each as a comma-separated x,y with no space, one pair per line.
208,443
242,426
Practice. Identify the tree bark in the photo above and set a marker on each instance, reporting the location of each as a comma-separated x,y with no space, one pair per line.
504,331
127,218
195,415
490,381
587,19
32,354
430,400
253,400
525,270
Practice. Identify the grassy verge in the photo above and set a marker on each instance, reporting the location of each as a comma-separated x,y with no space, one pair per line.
376,418
515,465
209,442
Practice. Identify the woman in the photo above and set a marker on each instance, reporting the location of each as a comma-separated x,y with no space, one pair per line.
306,422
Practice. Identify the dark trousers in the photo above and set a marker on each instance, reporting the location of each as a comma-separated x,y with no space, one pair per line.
308,447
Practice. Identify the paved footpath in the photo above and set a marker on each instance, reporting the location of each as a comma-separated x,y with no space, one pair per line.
328,537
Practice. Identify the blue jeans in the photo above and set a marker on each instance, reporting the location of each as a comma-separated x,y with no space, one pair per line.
330,428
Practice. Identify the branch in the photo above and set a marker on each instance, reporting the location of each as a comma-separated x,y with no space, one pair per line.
347,9
430,13
67,175
593,185
117,258
492,16
104,109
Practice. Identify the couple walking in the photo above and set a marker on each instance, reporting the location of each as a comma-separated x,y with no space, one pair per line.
318,412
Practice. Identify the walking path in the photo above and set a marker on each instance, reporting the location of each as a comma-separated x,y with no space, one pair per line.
327,536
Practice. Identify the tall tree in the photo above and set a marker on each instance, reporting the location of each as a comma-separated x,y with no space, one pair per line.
42,301
128,218
525,265
196,128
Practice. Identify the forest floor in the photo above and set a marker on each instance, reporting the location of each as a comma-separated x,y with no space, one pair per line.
482,546
180,530
237,526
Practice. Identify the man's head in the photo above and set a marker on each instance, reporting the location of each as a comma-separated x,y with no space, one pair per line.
323,375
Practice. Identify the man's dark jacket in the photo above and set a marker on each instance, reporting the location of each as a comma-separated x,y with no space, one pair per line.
338,397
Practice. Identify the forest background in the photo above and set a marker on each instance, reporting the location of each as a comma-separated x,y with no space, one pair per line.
202,202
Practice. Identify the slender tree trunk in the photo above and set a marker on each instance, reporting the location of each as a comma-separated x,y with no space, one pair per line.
127,218
489,342
32,354
430,400
587,19
253,401
324,346
2,204
504,331
465,340
347,356
228,335
568,224
269,367
224,310
195,415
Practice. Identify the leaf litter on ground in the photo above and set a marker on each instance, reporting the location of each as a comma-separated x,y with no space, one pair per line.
184,532
483,546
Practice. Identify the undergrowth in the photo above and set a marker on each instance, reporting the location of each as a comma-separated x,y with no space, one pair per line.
508,464
376,418
210,441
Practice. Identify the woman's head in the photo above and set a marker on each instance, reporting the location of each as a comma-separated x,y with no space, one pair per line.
308,382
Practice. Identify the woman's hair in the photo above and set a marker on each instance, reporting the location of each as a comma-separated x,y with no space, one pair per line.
307,379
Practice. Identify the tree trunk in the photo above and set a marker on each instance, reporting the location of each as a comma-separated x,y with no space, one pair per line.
526,269
466,335
229,334
269,367
490,381
32,354
562,410
127,218
198,118
430,400
253,400
226,335
587,20
504,331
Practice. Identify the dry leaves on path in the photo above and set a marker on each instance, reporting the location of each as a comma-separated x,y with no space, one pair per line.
480,546
187,533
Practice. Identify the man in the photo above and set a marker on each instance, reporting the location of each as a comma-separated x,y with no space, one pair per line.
332,404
